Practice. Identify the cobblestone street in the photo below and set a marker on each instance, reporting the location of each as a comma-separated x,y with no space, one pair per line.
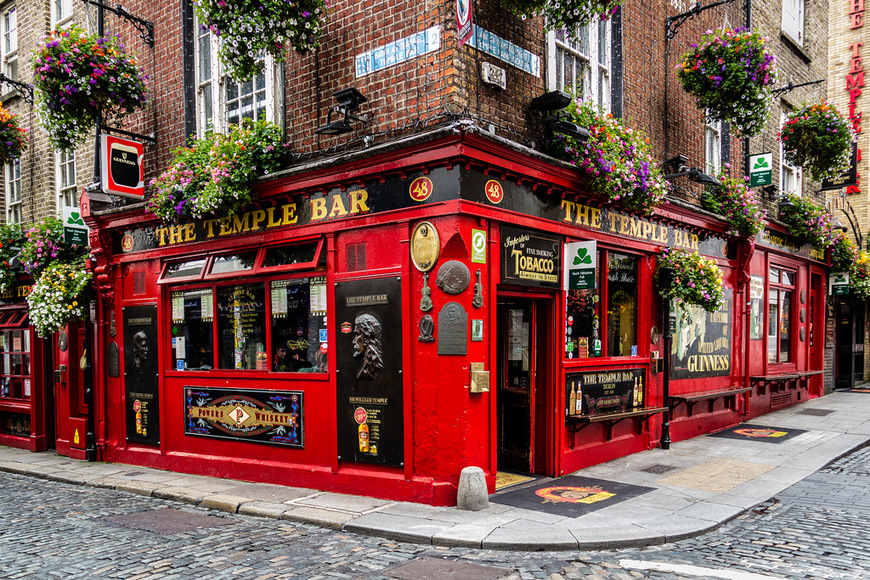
815,529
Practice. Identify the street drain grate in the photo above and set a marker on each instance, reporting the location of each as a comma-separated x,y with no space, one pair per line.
167,521
816,412
440,569
658,468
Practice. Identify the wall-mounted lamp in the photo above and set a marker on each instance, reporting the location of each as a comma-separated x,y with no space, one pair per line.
348,100
838,225
770,191
552,103
679,168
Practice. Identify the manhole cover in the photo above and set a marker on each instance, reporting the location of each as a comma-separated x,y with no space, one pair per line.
658,468
440,569
167,521
816,412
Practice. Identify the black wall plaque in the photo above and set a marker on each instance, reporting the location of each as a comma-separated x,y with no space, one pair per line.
368,347
140,374
113,360
604,391
452,329
530,259
453,277
701,345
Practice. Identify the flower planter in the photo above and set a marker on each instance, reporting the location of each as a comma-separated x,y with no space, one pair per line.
566,14
736,203
689,278
13,138
818,137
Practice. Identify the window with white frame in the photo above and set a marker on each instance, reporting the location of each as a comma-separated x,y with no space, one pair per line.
790,176
713,146
61,12
9,23
793,19
221,101
12,187
579,62
67,191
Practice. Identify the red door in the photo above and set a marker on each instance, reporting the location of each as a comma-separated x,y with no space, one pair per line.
70,410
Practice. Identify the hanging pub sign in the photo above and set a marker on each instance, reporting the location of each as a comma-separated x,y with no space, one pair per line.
530,258
121,167
846,178
760,169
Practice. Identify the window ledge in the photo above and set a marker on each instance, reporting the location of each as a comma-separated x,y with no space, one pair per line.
795,46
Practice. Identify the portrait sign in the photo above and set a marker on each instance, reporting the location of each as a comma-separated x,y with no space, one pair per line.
701,345
368,346
140,374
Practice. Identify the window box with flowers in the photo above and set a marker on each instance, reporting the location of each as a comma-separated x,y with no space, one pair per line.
615,158
567,14
807,220
817,137
737,203
249,29
731,74
689,278
82,79
13,138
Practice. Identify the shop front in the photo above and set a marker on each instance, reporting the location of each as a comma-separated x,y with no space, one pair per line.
376,326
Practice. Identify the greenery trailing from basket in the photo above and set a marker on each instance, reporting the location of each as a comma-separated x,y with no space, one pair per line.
737,203
13,137
80,79
859,275
616,159
215,172
44,244
10,240
690,278
807,219
249,29
566,14
844,252
731,73
56,298
818,137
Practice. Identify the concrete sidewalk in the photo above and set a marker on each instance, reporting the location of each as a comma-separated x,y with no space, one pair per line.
697,485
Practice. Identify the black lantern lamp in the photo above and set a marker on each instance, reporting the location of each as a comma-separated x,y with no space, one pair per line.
551,104
348,100
678,168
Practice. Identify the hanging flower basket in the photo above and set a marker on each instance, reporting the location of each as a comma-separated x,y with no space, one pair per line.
215,172
617,159
10,240
844,252
730,74
13,138
81,78
859,275
737,203
818,138
56,298
567,14
807,220
43,244
250,29
690,278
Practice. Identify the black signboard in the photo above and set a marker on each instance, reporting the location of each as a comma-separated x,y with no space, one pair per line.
274,417
846,178
604,391
701,343
368,353
530,258
140,374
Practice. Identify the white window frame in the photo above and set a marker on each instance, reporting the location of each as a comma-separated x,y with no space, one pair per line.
212,85
586,55
9,23
65,178
790,176
12,187
713,146
793,19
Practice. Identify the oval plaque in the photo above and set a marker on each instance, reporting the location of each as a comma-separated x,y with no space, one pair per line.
803,333
425,246
453,277
803,314
62,341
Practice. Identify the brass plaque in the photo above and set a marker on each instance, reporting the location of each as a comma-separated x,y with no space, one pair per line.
479,379
425,246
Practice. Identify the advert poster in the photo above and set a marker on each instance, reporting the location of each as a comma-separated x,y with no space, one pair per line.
274,417
701,342
605,391
530,258
368,354
140,374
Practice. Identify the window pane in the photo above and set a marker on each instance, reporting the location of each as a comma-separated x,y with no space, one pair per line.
788,278
242,327
184,269
773,324
582,339
204,57
785,327
297,330
234,263
621,304
192,330
288,255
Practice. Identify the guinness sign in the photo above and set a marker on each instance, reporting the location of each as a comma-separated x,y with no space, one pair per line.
121,163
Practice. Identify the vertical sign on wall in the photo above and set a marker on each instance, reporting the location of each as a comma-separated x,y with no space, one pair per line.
368,354
580,265
464,21
140,374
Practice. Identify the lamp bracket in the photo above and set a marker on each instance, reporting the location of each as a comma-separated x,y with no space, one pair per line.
791,86
145,27
673,23
24,89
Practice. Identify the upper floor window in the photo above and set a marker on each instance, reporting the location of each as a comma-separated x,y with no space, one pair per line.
67,191
790,176
221,101
579,62
12,186
713,146
61,12
793,19
10,42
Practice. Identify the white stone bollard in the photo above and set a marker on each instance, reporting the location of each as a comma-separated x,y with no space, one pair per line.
472,493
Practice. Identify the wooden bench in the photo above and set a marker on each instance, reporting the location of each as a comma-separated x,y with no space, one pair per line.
578,422
790,380
691,399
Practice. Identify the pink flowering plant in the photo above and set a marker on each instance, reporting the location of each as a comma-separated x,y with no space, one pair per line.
818,137
10,240
737,203
808,220
565,14
689,278
615,158
215,173
844,252
57,296
81,78
13,137
731,74
43,244
251,28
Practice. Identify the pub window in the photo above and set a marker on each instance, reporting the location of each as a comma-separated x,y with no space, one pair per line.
15,355
241,327
298,310
602,321
193,329
779,305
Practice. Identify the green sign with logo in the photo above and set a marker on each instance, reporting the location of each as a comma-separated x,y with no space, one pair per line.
760,169
580,261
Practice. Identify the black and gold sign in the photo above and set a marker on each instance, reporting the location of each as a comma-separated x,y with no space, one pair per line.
605,391
701,345
530,258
